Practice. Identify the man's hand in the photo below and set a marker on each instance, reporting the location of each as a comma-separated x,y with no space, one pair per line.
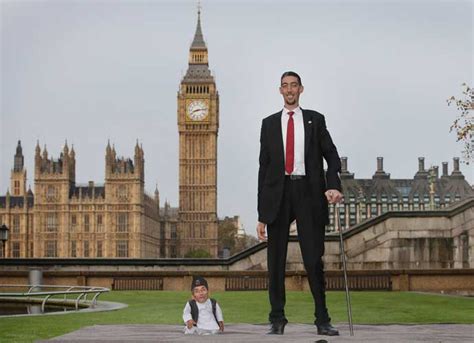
261,231
221,326
190,323
333,196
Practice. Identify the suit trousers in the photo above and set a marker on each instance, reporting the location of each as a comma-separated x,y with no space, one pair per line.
296,204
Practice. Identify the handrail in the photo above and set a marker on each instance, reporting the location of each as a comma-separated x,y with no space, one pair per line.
81,291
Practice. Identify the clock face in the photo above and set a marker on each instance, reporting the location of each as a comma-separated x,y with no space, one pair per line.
197,110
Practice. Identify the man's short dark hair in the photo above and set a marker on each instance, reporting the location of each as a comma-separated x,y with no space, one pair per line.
291,73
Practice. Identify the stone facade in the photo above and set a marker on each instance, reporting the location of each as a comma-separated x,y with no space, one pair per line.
64,219
198,124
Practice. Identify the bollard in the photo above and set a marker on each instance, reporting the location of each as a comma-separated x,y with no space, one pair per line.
35,277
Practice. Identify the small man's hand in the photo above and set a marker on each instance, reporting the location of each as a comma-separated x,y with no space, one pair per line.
221,326
190,323
261,231
333,196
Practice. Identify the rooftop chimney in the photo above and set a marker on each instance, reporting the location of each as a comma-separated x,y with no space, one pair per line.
445,169
456,172
344,172
380,172
421,164
422,173
343,164
379,164
456,164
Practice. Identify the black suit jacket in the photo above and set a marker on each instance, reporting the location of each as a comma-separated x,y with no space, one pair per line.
271,174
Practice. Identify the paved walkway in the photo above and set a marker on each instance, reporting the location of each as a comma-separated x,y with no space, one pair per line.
248,333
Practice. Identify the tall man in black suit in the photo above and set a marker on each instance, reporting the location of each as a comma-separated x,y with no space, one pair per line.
292,185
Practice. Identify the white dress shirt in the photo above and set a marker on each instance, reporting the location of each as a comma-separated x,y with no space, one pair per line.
298,167
206,321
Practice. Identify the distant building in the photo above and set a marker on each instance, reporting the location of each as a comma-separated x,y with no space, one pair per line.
367,198
65,219
198,126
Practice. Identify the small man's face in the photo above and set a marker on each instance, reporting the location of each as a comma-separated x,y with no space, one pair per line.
200,294
291,89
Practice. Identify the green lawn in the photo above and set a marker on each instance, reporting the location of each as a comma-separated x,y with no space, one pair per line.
160,307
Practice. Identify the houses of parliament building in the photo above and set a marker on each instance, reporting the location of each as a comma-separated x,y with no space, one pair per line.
118,219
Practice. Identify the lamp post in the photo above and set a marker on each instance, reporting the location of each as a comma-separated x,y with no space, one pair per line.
4,238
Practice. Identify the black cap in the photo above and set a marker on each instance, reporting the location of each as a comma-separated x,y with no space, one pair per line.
199,281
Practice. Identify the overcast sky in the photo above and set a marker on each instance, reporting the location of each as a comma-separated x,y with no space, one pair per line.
88,71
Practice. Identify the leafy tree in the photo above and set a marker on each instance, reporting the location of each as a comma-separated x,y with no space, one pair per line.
464,123
198,253
227,236
245,242
229,239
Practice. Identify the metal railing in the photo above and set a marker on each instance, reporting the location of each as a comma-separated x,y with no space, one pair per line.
37,291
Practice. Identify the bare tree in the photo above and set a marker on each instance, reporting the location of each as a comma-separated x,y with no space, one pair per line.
464,123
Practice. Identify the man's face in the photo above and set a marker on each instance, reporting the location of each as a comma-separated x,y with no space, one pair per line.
291,89
200,294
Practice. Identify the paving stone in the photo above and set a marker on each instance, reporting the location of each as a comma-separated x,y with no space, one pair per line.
249,333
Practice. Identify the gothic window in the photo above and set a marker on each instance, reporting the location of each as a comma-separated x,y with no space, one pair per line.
16,249
51,222
100,223
73,249
16,224
352,208
51,249
174,234
373,210
352,220
16,189
99,249
122,222
86,223
202,233
122,249
73,222
86,248
162,231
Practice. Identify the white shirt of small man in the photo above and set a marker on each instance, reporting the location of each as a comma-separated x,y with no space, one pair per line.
206,324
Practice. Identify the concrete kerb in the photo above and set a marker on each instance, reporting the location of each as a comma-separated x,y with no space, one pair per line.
101,306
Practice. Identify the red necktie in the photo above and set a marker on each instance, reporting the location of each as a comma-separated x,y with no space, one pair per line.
290,144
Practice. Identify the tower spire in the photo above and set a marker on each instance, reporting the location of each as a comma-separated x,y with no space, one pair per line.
198,41
18,162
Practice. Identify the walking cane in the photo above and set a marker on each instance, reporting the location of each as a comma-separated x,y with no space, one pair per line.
343,257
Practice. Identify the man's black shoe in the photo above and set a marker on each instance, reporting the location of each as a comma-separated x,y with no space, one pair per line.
327,330
278,328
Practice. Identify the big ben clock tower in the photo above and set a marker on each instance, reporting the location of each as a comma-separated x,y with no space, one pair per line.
198,124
